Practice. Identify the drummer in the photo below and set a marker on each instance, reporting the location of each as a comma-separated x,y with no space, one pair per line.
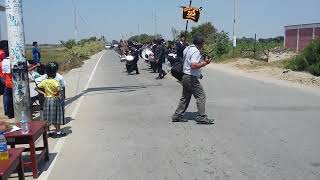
135,53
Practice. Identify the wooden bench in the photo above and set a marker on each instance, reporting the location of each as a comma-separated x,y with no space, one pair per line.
37,129
14,163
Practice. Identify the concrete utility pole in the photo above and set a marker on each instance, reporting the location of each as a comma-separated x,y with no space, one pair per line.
156,24
234,26
19,70
75,20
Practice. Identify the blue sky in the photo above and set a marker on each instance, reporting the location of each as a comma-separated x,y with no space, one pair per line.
49,21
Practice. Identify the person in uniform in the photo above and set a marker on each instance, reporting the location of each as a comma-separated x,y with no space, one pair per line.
160,55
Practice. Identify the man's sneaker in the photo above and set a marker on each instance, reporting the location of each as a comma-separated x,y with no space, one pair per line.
178,119
204,120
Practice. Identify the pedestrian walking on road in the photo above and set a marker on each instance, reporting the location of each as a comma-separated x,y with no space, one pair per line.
52,108
193,63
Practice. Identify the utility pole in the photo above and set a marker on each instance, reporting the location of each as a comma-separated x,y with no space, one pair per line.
234,26
75,20
156,24
19,70
190,3
139,33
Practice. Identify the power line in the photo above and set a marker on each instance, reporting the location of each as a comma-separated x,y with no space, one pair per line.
77,12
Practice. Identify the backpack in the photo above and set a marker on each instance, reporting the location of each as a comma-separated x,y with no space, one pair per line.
177,68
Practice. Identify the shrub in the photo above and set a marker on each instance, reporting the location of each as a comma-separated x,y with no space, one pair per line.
69,44
314,69
309,60
298,63
217,45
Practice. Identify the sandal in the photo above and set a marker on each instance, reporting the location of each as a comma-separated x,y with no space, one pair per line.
61,134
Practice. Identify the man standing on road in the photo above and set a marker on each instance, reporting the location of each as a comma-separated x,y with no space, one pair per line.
191,85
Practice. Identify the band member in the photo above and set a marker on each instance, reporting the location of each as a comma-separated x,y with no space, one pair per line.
160,55
180,46
135,53
152,61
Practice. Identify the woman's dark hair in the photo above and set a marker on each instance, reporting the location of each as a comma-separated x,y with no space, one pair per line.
4,45
34,43
41,69
198,40
57,65
52,69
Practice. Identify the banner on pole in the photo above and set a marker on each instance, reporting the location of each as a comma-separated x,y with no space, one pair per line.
191,13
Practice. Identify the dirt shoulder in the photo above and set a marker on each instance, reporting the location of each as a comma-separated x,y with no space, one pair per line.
271,71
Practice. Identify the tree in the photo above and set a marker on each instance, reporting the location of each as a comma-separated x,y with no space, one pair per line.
143,38
205,30
216,43
69,44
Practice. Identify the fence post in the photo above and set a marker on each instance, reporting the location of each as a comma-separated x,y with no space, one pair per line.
254,47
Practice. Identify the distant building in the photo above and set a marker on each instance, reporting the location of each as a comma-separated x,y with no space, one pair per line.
298,37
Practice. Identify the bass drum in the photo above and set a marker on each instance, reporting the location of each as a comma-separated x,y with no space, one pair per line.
129,58
130,64
147,54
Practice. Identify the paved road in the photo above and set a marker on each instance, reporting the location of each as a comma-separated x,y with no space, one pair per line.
123,131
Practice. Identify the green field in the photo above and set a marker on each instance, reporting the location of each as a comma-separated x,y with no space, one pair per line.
49,54
68,58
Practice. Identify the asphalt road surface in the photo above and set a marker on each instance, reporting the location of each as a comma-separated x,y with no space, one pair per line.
122,129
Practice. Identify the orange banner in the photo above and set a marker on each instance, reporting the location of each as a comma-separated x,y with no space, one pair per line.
191,13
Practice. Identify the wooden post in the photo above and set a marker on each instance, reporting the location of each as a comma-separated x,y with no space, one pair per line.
190,3
254,47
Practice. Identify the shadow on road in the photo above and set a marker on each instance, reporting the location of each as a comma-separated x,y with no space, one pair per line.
42,166
120,89
191,116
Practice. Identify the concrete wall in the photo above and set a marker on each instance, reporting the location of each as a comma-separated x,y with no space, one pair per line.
298,37
317,32
305,37
291,39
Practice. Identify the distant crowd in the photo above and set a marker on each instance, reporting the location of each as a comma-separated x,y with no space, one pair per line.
155,53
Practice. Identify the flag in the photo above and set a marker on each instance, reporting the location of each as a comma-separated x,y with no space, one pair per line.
191,13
